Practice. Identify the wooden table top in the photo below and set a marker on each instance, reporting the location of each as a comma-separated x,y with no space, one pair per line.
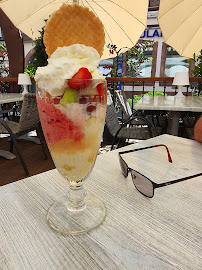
170,103
164,232
10,97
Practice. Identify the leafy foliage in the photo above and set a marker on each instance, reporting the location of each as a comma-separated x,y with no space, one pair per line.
133,60
31,69
40,53
198,69
136,98
4,68
156,93
40,56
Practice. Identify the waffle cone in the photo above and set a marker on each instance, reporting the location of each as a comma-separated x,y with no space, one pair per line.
74,24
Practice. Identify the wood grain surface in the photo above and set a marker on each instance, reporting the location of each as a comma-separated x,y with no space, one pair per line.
164,232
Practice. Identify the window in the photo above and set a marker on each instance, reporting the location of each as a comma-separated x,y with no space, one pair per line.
105,65
1,36
172,62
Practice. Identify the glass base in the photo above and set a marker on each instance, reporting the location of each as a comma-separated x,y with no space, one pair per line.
72,222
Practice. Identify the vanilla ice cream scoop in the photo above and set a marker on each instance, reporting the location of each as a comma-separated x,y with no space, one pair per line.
63,64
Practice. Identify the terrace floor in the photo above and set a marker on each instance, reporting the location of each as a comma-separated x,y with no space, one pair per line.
12,170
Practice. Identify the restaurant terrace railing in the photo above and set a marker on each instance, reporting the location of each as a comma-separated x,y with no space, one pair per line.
140,86
13,86
131,85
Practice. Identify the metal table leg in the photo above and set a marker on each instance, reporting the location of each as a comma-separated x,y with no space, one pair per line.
173,123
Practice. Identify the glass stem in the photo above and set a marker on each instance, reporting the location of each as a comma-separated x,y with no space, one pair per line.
76,200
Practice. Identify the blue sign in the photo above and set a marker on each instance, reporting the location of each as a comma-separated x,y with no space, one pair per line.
151,33
120,70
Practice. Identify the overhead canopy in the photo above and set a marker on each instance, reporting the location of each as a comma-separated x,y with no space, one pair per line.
124,20
181,25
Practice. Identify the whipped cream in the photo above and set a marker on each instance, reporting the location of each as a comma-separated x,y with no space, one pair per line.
63,64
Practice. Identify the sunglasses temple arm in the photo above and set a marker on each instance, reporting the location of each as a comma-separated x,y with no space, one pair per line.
134,150
176,181
143,148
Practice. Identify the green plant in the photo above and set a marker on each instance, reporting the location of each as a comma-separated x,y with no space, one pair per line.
136,56
136,98
133,59
4,68
30,70
198,69
40,56
156,93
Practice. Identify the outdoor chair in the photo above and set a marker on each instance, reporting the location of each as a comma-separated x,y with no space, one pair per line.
29,121
123,103
154,119
189,120
130,129
126,109
7,111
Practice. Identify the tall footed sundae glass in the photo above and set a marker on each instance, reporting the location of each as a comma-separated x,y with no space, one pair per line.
73,125
71,98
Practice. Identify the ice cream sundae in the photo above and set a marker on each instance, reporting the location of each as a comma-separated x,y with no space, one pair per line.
71,98
72,108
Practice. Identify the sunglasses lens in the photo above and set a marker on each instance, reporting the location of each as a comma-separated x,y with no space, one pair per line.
123,167
143,184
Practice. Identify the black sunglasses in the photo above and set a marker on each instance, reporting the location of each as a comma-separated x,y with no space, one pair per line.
142,183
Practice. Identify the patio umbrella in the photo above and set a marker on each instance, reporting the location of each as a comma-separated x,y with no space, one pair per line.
181,25
124,20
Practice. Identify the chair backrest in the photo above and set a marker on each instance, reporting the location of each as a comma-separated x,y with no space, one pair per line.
29,113
125,106
109,98
112,121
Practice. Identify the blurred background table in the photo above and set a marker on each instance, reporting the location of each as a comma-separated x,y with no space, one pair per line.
9,98
164,232
174,105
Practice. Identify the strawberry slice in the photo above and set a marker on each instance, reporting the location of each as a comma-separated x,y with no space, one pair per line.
81,79
100,89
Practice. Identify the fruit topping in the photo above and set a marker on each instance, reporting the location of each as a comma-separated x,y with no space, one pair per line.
90,109
49,99
70,96
81,79
100,93
84,100
100,89
56,125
